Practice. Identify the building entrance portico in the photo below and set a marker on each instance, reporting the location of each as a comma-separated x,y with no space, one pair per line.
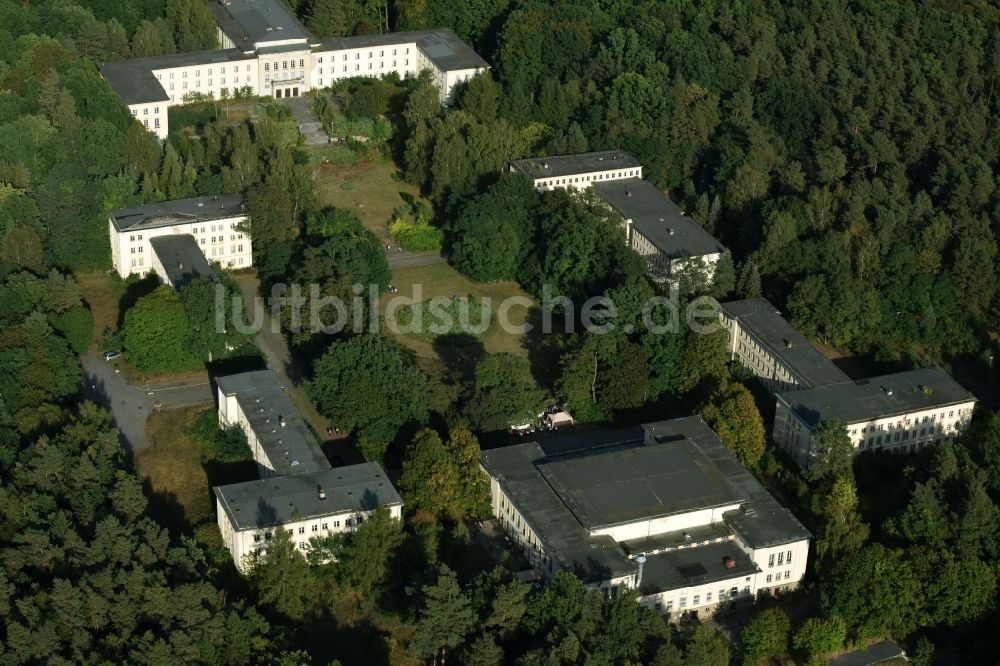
286,92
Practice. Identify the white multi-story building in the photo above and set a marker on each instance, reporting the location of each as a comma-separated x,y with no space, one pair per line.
307,506
297,491
578,171
664,509
214,222
765,343
279,438
266,52
902,412
671,242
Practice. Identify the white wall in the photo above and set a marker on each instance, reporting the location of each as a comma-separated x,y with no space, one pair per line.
683,521
231,414
584,179
243,543
153,116
220,240
903,433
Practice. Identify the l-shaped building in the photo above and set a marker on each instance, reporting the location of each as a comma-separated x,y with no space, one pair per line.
298,491
664,509
898,412
267,52
655,227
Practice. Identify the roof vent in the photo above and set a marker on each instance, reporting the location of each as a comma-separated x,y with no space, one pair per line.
200,204
687,536
215,197
628,193
788,344
180,265
322,493
888,391
670,231
281,420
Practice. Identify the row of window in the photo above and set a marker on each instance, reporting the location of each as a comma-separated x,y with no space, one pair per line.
777,576
350,522
783,558
357,55
357,68
724,594
284,65
587,179
197,72
197,84
931,418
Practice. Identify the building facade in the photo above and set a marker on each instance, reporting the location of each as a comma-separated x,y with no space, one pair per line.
898,413
297,489
266,52
762,341
215,222
693,530
673,245
307,506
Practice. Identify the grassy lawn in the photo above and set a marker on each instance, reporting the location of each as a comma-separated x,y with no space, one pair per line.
368,190
103,294
440,279
177,477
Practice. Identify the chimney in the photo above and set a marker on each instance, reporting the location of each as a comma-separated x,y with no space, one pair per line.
322,493
281,420
729,562
640,560
788,344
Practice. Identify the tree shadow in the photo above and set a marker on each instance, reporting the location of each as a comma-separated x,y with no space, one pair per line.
133,292
545,342
459,352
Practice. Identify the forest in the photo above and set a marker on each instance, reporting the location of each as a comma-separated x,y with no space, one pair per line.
844,152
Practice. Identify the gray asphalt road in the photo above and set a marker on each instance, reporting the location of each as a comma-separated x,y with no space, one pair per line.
132,405
410,260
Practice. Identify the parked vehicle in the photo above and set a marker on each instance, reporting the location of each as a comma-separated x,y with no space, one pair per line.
111,355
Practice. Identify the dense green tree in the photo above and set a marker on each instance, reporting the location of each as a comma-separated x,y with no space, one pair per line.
369,385
818,636
706,647
834,452
766,636
733,414
281,576
504,393
445,617
368,551
155,333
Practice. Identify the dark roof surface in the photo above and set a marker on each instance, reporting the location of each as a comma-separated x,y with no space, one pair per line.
441,45
134,81
177,211
694,566
181,259
657,218
276,500
292,449
637,483
877,397
557,166
261,21
526,472
764,323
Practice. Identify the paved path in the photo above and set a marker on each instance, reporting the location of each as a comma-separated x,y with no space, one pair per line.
131,405
309,124
411,260
272,344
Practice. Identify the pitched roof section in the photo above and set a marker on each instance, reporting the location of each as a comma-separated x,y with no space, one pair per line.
255,23
134,81
291,448
281,499
769,328
556,166
877,397
181,258
440,45
178,211
657,218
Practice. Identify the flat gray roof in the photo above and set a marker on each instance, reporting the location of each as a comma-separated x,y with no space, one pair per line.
292,449
638,483
765,324
877,397
277,500
441,45
694,566
133,80
257,21
556,166
657,218
177,211
181,259
549,483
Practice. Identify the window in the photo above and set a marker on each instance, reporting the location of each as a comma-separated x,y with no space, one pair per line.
770,560
697,600
788,557
302,63
325,526
184,75
197,72
302,530
768,578
315,528
284,64
684,602
781,559
320,59
788,574
708,597
256,538
267,536
145,111
302,545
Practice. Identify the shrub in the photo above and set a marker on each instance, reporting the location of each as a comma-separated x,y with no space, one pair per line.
223,444
416,237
